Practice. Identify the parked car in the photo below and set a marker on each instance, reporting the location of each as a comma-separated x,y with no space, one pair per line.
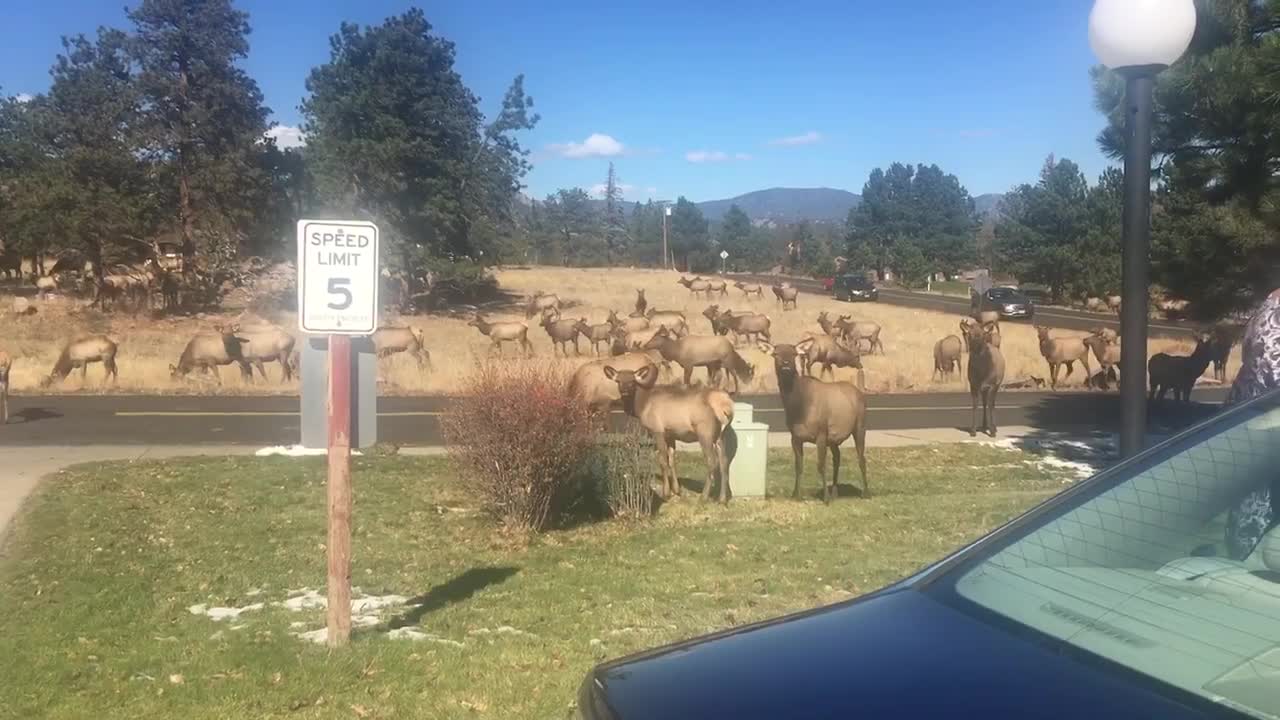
1118,598
854,287
1009,302
827,282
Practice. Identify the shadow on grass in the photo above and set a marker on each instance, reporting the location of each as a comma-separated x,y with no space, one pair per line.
455,590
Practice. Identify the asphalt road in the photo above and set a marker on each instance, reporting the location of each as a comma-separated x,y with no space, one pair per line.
1051,316
50,420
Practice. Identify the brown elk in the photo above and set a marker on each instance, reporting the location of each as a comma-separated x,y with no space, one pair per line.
505,331
1113,303
716,285
747,324
695,285
829,352
712,314
986,373
641,303
785,294
993,337
46,285
1179,372
593,387
1106,351
857,331
946,357
598,333
824,322
6,363
1062,351
561,331
266,342
542,302
823,413
208,352
1224,338
627,324
637,339
749,290
709,351
672,320
987,317
388,341
674,414
79,353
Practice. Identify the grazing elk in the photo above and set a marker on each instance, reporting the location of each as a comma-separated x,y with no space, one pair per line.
541,303
388,341
79,353
717,285
598,333
829,352
1179,372
823,413
561,331
6,363
208,352
696,285
709,351
749,290
946,357
259,343
751,325
785,294
674,414
986,373
505,331
672,320
1106,351
860,331
1062,351
641,303
1224,338
631,323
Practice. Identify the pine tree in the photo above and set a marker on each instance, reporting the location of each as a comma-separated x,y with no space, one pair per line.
615,226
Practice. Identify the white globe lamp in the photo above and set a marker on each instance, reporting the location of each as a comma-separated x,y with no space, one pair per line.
1141,33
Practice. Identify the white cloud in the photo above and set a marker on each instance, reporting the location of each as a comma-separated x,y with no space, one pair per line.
596,145
24,97
808,138
287,136
713,156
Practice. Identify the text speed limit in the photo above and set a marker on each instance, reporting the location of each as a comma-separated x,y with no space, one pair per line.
337,277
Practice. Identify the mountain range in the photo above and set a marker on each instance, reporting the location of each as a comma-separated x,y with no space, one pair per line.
787,205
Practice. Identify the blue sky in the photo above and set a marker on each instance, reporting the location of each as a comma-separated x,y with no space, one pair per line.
710,100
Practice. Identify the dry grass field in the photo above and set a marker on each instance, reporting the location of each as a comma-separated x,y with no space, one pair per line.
148,347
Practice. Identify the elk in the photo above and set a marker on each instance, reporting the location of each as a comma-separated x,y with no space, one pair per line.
825,323
672,320
785,294
1106,351
388,341
594,388
823,413
638,339
827,351
1224,338
209,351
946,357
1179,372
986,372
712,314
46,285
747,324
79,353
749,290
6,363
542,302
505,331
1060,351
1113,303
561,332
599,333
268,343
716,286
695,285
673,414
1093,304
858,331
641,303
987,317
1105,333
628,324
709,351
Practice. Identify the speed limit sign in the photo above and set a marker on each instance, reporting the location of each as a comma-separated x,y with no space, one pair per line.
337,277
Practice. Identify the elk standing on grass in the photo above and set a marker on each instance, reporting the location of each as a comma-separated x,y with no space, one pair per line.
79,353
674,414
561,332
858,331
717,286
1062,351
5,364
672,320
208,352
1106,351
785,294
595,389
506,331
822,413
749,290
631,323
266,342
828,352
986,373
709,351
695,286
751,325
946,357
541,303
388,341
641,303
1179,372
598,333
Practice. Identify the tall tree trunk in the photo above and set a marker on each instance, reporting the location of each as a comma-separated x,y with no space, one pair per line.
186,213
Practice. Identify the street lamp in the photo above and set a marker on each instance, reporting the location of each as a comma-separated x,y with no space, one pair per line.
666,213
1137,39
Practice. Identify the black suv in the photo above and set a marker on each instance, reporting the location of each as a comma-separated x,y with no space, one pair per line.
853,287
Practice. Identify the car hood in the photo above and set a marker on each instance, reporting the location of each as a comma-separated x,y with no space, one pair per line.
898,654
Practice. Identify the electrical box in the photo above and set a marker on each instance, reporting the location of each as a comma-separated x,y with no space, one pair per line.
315,392
748,444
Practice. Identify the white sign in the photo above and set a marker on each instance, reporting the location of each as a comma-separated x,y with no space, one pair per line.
724,254
337,277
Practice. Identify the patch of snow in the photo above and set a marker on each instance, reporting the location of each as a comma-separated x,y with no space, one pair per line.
218,614
364,620
416,635
308,599
315,636
369,603
501,630
294,451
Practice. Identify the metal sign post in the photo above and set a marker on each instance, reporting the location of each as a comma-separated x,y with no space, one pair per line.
338,296
724,255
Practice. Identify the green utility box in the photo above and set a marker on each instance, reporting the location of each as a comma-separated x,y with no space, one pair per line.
751,454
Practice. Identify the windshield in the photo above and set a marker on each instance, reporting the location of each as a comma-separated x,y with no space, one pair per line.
1142,570
1004,293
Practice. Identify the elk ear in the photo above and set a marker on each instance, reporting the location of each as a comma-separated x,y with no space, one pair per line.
647,375
765,347
802,351
609,372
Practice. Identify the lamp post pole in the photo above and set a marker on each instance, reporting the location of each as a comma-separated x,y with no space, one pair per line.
1135,262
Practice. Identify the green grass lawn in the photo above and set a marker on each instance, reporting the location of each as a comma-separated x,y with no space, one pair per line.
97,580
952,287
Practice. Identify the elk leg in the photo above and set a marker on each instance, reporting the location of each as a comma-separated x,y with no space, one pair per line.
671,465
112,370
660,444
1053,376
797,449
84,371
860,444
821,442
1071,366
217,374
973,421
835,469
722,458
709,453
991,408
261,370
688,374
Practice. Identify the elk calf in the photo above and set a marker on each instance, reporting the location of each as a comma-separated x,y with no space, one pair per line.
986,373
674,414
1179,372
1060,351
599,333
79,353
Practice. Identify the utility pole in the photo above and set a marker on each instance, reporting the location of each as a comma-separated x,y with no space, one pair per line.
666,213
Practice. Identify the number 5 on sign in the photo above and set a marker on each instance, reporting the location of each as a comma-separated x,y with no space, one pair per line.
337,277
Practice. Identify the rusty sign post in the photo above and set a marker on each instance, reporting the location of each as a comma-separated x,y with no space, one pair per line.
338,296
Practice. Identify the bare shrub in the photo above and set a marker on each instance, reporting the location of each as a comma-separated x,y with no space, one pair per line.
518,439
625,472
